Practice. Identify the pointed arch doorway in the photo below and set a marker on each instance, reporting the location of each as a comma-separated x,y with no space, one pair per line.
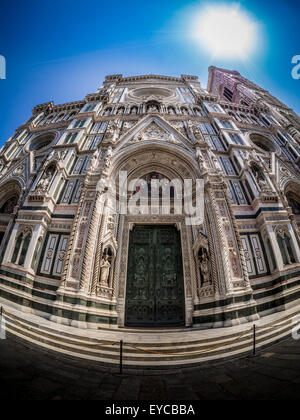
155,286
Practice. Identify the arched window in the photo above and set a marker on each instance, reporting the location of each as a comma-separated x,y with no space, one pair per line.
286,249
271,252
24,249
21,248
17,248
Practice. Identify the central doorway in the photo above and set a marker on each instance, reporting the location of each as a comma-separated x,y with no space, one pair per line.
155,289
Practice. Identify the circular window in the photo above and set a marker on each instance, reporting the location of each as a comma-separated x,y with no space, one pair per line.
263,143
41,142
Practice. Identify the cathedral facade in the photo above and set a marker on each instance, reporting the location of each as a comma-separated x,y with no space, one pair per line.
71,256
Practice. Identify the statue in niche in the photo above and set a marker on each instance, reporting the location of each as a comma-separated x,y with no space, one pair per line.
46,179
197,133
108,157
200,159
134,110
216,163
260,178
105,271
204,268
152,108
95,161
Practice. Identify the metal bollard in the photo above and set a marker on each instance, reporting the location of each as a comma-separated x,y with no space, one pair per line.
254,339
121,357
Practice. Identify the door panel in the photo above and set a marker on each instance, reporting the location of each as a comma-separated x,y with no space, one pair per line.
155,292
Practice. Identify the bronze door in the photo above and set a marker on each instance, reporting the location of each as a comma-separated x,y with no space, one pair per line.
155,292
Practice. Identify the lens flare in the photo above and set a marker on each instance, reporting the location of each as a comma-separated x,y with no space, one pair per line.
225,31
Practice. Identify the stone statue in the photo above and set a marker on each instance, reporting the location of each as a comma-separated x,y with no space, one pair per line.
45,180
152,108
197,133
105,270
108,156
200,159
203,262
95,162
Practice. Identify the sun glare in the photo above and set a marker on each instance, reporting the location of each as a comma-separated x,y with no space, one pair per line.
225,31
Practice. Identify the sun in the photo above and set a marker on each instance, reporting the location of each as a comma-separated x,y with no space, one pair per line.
225,31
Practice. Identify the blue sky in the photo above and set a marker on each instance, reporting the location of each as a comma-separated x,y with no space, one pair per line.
62,50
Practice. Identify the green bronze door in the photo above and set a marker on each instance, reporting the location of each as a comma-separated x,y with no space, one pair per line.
155,292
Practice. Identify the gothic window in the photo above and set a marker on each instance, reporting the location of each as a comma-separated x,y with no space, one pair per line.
249,190
207,128
17,248
226,124
79,123
99,127
266,120
228,94
227,166
24,249
272,256
292,153
21,248
78,166
285,247
236,138
92,142
254,119
88,108
215,142
214,107
70,138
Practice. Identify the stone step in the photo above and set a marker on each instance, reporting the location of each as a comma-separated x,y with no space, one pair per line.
157,353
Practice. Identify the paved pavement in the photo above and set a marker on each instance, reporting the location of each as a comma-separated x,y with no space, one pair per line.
32,373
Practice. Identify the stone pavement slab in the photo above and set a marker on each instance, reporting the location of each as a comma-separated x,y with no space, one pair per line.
29,372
